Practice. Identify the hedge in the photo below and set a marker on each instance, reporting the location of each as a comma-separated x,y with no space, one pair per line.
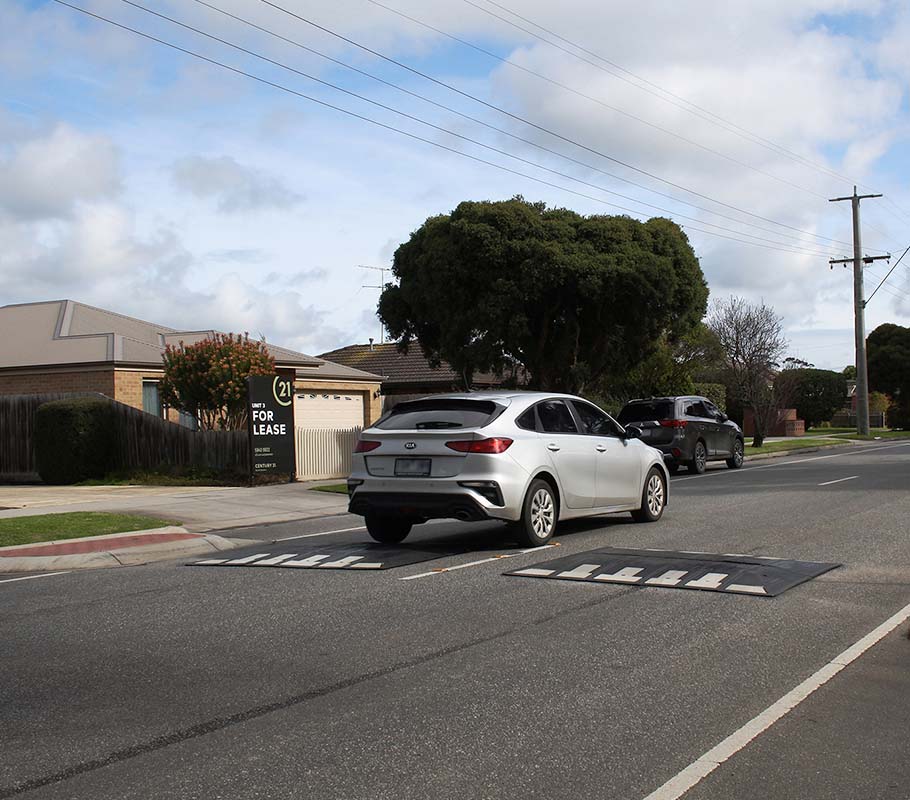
74,439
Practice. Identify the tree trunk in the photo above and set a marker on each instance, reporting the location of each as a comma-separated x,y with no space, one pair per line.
758,440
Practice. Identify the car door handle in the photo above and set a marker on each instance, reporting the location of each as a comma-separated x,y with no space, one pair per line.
600,448
553,447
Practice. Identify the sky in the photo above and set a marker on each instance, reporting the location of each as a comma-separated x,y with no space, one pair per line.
157,184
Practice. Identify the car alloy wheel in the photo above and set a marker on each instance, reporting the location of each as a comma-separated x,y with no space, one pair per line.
653,497
656,494
736,460
542,513
539,514
699,458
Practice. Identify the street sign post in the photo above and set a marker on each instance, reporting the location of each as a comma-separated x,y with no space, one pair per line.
271,413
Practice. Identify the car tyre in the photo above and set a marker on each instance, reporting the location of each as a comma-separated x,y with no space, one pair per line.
699,461
736,460
653,497
388,530
538,515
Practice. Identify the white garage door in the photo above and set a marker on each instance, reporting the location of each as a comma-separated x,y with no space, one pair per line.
327,428
328,411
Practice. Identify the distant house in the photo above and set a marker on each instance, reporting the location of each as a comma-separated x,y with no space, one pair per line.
409,375
66,346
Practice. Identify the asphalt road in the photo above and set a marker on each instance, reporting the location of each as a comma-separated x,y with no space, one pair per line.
172,681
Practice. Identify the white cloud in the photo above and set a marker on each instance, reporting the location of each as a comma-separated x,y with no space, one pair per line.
234,186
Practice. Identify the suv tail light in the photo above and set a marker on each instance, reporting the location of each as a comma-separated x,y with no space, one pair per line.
365,445
673,423
493,445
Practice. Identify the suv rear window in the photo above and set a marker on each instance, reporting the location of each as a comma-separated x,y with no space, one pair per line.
440,414
645,412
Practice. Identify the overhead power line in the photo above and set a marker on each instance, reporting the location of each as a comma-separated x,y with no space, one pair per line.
799,239
652,88
386,126
552,81
886,278
534,125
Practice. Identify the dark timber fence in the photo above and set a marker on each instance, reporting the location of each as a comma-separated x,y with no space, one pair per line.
143,441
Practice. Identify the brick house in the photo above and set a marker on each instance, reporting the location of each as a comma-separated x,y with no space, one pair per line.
66,346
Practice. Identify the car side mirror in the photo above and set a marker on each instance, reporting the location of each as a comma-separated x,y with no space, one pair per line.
721,417
632,432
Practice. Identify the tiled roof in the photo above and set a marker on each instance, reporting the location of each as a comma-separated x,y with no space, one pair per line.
64,333
403,368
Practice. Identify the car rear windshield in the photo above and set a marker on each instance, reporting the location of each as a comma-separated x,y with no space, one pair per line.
439,415
644,412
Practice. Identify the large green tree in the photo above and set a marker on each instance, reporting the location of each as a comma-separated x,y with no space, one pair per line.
818,394
566,297
888,355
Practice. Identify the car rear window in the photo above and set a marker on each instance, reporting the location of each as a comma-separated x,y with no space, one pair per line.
644,412
439,415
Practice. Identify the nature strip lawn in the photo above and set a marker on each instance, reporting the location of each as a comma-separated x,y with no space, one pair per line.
72,525
792,444
337,488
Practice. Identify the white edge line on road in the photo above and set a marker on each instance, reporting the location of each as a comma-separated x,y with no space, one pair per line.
440,570
850,452
684,780
30,577
839,480
324,533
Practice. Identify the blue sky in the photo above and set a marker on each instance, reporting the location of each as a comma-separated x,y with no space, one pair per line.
145,181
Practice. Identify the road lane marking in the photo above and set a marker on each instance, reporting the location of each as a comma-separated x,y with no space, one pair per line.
323,533
848,452
839,480
475,563
31,577
703,766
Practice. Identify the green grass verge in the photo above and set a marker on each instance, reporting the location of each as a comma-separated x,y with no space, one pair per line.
837,431
790,444
876,434
337,488
72,525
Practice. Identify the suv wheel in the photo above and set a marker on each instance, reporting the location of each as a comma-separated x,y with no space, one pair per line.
699,458
653,498
736,460
388,530
538,515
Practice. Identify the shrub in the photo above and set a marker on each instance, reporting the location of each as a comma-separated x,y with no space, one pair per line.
74,439
715,392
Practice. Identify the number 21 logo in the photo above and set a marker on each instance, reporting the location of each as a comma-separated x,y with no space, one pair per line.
283,391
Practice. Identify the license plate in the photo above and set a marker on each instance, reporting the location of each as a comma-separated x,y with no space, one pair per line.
412,467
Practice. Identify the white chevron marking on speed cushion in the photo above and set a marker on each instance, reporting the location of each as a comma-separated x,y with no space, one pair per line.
625,575
581,571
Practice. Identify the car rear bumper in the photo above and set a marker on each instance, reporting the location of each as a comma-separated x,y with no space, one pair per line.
423,505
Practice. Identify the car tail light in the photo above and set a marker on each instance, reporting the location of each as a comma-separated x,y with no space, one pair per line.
493,445
365,446
673,423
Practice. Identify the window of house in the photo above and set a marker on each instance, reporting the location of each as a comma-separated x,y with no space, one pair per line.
151,398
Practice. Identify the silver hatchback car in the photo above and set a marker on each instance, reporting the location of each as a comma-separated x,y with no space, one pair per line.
523,457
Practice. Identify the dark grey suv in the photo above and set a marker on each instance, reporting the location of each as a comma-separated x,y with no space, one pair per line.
688,430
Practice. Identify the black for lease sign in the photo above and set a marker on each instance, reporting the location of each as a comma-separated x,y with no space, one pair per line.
271,399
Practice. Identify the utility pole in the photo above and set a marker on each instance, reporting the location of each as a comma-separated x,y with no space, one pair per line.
859,306
381,286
